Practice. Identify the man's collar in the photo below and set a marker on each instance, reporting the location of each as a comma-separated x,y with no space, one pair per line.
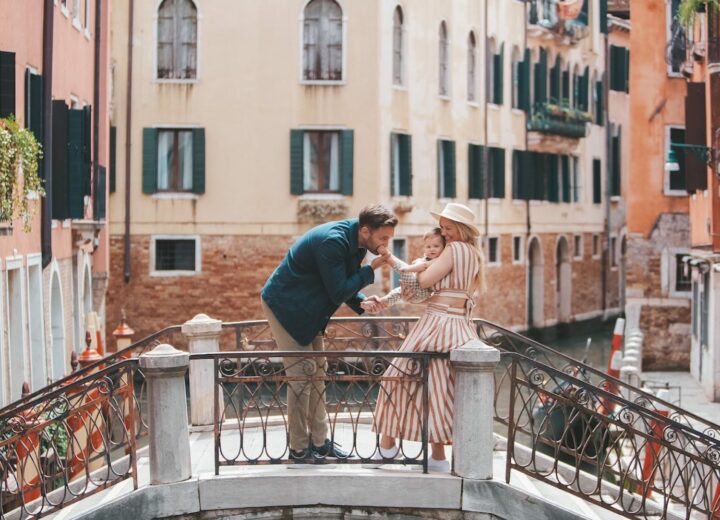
353,239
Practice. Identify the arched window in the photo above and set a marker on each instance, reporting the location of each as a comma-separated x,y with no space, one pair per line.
177,40
472,68
398,46
444,70
322,41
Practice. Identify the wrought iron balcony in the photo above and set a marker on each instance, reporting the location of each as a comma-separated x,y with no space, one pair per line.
550,118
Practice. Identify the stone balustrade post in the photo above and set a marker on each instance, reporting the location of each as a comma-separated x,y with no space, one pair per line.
203,334
474,364
164,368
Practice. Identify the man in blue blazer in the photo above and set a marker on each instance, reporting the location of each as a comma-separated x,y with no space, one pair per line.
320,272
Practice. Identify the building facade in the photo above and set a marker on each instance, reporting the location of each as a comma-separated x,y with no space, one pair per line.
658,237
53,80
229,143
699,155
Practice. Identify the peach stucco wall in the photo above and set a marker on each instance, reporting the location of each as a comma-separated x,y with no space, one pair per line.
658,100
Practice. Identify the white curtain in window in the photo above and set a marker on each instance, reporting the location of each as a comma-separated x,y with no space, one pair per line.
185,166
322,161
165,159
177,39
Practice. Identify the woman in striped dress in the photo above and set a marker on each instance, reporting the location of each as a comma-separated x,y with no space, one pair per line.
454,276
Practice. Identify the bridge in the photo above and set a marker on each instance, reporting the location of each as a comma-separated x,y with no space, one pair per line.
537,434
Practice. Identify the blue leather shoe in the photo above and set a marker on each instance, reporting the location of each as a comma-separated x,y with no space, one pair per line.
329,449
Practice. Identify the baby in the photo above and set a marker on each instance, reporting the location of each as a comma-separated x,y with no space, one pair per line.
409,289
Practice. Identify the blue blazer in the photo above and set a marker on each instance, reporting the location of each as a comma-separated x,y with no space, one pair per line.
320,272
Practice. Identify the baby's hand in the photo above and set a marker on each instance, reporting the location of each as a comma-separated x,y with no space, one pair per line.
418,267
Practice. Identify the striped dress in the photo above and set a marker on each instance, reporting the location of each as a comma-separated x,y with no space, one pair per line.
441,328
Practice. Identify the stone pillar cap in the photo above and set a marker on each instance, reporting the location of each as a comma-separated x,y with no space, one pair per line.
164,357
475,352
201,324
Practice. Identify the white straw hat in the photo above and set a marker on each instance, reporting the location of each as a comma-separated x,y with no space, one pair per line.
457,213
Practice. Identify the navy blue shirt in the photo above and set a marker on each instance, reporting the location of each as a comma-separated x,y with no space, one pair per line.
320,272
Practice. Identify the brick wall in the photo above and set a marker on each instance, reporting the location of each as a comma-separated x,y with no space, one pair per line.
234,269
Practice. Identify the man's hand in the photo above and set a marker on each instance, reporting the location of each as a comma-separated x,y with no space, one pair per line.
383,259
373,304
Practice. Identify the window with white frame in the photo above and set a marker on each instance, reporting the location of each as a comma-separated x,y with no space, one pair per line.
443,57
577,246
472,68
398,47
175,255
323,41
517,250
675,170
175,160
675,37
321,155
493,250
177,40
595,246
682,282
399,246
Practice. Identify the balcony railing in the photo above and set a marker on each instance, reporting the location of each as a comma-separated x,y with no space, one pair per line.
550,118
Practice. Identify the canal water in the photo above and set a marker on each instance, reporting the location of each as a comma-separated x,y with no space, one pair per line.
573,340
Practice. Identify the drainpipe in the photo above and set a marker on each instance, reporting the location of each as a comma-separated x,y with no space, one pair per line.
528,227
46,173
128,134
96,110
485,148
608,163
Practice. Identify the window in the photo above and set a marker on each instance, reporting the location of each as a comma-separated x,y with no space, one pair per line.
400,164
321,161
176,255
517,251
613,252
34,103
676,38
683,280
597,181
398,47
616,157
446,169
496,167
596,246
478,182
399,246
86,24
540,78
695,307
584,85
177,40
555,81
576,87
523,177
173,160
444,68
493,250
675,176
577,179
565,87
471,68
577,246
619,69
599,100
323,41
7,83
495,73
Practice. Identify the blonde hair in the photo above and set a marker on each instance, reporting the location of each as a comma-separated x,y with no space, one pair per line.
470,235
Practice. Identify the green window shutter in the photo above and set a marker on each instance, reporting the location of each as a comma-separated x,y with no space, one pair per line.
555,82
616,165
476,181
296,162
604,16
76,173
150,160
584,90
584,15
346,162
198,182
113,157
540,177
405,146
7,83
524,82
449,168
499,61
34,104
543,75
597,181
599,103
516,174
498,174
99,201
565,172
529,175
565,96
59,196
553,185
626,72
87,149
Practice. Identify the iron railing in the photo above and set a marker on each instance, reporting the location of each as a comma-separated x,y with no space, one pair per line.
611,452
251,398
68,444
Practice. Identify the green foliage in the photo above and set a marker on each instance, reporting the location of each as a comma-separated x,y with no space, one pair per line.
19,150
688,8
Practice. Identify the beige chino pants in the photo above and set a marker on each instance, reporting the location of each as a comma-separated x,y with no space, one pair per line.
307,417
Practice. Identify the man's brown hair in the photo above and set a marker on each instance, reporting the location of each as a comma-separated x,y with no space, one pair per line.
376,216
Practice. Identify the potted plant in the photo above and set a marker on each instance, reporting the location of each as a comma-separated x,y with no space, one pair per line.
20,155
688,8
